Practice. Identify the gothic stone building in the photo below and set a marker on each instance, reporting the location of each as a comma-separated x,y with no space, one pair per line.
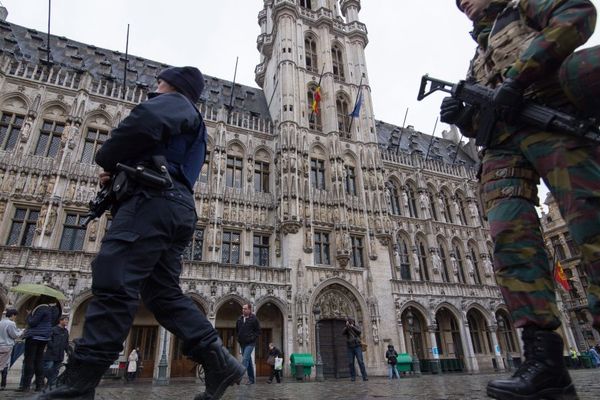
300,211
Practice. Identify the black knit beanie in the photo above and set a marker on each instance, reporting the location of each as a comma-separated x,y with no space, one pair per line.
187,80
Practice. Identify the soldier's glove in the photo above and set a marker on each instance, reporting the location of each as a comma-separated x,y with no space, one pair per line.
451,110
508,99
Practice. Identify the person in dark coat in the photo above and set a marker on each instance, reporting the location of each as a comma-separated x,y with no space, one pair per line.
274,352
391,356
39,329
248,330
353,344
57,347
140,256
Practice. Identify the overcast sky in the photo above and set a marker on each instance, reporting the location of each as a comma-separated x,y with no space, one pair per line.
406,40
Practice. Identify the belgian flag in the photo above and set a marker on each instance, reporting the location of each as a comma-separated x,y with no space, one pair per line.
560,277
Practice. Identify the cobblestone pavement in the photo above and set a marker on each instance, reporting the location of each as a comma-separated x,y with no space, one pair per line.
436,387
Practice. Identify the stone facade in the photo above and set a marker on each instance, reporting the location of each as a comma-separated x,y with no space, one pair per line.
309,216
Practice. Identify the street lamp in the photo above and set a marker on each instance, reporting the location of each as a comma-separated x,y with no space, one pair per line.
503,328
163,365
319,364
415,359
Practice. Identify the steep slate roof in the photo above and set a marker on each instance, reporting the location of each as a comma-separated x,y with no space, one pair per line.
414,142
30,45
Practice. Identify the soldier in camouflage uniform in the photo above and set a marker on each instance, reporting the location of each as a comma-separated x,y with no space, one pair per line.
521,45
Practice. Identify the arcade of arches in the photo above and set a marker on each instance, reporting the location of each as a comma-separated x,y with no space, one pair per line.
443,339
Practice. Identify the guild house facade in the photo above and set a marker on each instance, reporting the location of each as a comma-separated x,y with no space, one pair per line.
309,208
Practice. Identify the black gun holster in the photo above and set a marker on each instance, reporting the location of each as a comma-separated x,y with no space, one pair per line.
153,176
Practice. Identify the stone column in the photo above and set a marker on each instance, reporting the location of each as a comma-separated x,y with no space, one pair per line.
401,338
465,334
496,345
435,352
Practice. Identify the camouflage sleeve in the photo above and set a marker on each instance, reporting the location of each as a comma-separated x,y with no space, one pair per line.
564,25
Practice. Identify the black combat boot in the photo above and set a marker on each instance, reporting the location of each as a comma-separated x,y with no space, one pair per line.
543,375
78,382
221,369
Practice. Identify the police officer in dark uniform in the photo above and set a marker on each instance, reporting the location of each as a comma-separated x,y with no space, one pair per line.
141,253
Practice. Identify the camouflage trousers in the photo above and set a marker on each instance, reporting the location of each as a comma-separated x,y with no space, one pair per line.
570,167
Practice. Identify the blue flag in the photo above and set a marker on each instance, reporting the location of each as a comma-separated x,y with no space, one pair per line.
356,112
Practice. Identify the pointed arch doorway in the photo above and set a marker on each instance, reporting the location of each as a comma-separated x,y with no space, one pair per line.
336,303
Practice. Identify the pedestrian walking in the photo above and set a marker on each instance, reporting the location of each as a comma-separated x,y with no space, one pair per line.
272,360
39,329
154,218
248,330
392,360
354,349
132,365
521,47
57,347
8,334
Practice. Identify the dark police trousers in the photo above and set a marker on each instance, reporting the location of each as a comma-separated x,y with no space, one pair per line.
141,255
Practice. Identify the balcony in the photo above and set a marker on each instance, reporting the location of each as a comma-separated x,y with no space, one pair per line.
444,289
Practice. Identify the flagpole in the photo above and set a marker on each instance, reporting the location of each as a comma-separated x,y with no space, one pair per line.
126,62
48,36
432,137
401,131
230,107
457,148
355,101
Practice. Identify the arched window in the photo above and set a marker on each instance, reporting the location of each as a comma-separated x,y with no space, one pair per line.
341,105
10,129
475,261
51,131
338,62
412,202
444,259
306,4
424,268
395,199
461,210
446,209
459,265
404,260
314,119
310,49
432,205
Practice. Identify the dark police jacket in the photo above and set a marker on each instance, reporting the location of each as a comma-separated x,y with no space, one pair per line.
40,322
166,124
58,344
247,331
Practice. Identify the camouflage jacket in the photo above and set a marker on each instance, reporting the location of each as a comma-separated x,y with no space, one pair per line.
547,32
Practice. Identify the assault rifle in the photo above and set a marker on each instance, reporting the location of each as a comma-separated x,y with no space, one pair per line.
532,114
100,204
121,185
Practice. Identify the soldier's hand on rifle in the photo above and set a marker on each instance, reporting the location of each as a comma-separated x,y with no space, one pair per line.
507,99
450,110
104,178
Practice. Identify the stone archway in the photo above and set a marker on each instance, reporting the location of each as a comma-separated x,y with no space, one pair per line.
271,330
143,335
181,365
449,340
226,317
336,303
